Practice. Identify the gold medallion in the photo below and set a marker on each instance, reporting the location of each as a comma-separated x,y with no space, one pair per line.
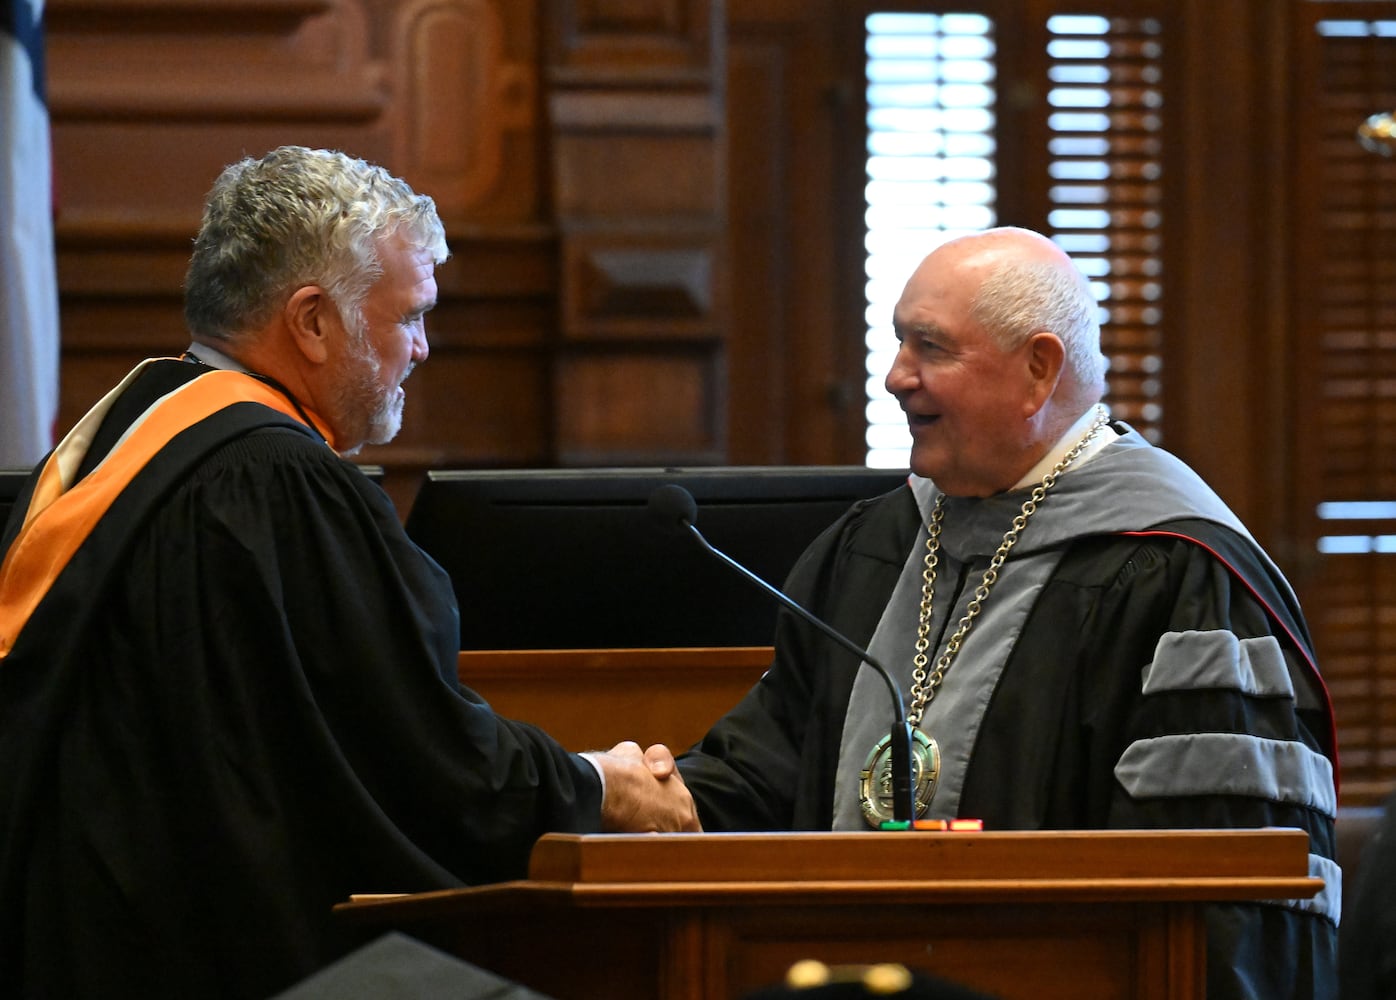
875,780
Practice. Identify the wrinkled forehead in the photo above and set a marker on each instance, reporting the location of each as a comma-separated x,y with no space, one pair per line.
942,287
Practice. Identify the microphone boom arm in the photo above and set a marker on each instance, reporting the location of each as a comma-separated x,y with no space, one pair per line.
903,784
862,654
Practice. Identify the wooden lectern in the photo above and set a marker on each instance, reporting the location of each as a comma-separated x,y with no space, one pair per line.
591,699
1037,914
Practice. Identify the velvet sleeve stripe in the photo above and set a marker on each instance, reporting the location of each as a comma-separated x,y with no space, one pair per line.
1270,606
1218,660
1292,628
1236,764
1328,902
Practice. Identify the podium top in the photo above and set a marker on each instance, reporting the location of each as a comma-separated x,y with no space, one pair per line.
907,867
1096,855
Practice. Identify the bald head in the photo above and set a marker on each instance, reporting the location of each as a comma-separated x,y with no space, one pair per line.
1009,242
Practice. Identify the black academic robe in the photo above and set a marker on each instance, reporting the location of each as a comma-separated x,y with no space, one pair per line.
1066,706
236,706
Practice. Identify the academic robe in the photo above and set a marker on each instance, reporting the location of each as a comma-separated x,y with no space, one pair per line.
1150,665
235,706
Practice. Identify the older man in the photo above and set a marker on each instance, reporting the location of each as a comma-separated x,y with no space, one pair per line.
227,678
1087,636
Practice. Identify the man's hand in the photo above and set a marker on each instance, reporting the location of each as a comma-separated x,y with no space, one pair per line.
645,792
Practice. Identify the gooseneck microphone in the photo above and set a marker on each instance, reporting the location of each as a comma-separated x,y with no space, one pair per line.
674,507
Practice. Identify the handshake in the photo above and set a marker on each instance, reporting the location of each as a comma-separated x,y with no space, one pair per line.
644,791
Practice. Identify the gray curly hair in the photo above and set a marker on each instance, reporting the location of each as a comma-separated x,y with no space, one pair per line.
298,217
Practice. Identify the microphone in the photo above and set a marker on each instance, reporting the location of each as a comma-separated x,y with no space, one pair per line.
674,507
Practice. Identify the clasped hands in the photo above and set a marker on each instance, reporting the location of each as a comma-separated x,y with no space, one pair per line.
645,792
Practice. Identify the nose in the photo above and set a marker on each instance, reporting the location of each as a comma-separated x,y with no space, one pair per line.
420,348
901,377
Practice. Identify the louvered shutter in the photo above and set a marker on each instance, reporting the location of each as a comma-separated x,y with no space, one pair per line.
1104,158
1344,297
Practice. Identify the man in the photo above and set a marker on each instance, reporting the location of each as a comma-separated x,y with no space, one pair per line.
228,695
1087,637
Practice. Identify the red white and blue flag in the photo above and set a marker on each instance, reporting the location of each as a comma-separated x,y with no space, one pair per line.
28,284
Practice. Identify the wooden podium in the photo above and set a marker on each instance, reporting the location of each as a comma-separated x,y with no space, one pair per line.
591,699
1037,914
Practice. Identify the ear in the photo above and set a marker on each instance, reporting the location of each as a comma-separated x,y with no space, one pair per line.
1046,357
310,315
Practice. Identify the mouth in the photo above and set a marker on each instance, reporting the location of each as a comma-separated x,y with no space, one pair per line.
916,421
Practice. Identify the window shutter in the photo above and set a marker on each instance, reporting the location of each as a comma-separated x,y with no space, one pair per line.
1104,158
1345,306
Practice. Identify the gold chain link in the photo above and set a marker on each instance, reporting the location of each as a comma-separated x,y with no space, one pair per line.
921,691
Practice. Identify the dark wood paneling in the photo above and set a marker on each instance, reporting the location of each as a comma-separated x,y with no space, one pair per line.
795,342
666,42
650,286
1223,404
658,404
637,139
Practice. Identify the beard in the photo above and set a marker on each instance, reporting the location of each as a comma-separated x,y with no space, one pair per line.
385,406
367,411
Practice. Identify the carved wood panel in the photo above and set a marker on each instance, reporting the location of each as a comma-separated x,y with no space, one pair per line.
635,114
667,41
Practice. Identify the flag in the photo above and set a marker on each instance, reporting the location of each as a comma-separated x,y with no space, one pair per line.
28,283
